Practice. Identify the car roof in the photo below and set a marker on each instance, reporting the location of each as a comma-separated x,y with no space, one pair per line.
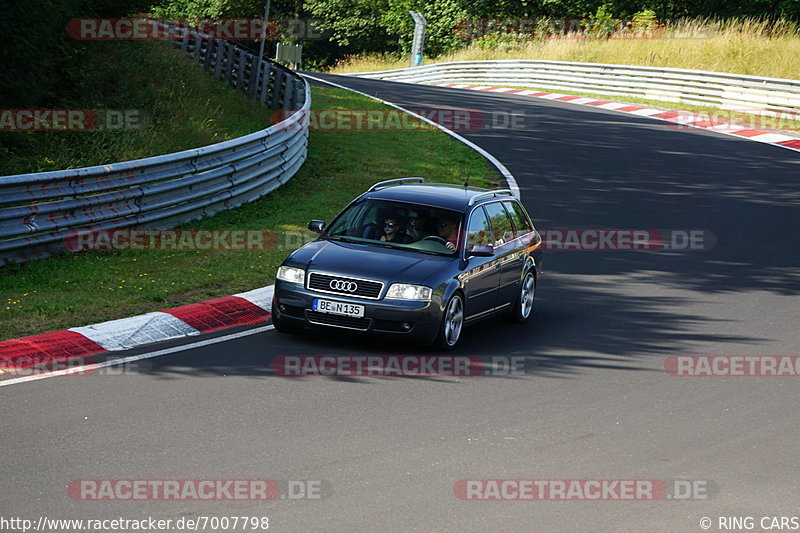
442,195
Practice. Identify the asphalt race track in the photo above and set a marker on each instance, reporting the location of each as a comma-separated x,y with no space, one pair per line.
594,402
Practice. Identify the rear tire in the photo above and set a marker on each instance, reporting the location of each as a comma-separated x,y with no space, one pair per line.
452,323
523,306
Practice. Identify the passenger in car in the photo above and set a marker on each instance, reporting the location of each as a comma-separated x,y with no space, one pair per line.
416,227
392,233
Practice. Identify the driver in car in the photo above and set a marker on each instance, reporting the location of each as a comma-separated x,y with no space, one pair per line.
446,228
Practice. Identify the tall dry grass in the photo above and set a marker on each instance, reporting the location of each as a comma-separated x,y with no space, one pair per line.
748,46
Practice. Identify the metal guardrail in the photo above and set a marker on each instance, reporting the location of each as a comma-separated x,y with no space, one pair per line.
38,211
698,87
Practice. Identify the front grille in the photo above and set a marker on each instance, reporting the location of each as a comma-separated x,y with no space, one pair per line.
364,288
337,320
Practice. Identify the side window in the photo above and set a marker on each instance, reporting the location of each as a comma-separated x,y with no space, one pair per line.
501,223
522,224
479,232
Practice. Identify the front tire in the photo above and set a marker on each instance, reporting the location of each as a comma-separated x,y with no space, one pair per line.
523,307
452,323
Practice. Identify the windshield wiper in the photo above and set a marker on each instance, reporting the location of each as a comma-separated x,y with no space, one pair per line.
430,252
384,244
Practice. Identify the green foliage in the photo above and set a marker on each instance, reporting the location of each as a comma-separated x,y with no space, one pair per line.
386,25
354,23
644,23
35,51
442,17
193,9
213,9
603,24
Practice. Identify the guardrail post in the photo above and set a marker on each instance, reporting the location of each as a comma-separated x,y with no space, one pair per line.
198,43
266,75
299,95
277,89
222,48
252,88
210,48
229,62
240,69
288,92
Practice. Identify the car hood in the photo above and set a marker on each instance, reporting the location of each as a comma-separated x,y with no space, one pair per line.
369,262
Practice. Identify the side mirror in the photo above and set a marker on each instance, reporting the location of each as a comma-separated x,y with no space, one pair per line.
481,250
316,226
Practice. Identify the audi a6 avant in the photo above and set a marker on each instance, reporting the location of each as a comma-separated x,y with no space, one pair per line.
414,260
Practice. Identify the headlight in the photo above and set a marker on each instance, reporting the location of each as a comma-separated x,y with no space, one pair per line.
291,274
402,291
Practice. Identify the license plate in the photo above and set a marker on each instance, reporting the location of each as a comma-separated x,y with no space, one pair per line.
338,308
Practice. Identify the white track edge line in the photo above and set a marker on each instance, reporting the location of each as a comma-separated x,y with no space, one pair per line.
132,358
512,183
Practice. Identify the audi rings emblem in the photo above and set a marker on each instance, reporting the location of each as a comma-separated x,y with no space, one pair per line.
343,286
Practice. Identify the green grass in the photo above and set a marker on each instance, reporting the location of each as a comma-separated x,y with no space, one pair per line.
82,288
181,107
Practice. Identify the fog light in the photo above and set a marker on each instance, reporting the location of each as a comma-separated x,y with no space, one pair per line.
406,326
282,308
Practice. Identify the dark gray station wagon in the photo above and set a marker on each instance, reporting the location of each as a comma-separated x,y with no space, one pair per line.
413,260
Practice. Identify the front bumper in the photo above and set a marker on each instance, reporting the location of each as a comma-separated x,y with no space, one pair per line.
413,320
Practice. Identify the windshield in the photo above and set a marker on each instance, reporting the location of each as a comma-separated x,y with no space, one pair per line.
398,225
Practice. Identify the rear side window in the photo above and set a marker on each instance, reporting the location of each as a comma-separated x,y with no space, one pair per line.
522,224
501,223
479,231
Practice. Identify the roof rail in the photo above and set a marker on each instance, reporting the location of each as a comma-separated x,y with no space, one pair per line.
397,181
490,194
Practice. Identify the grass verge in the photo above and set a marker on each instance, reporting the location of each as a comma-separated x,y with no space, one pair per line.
177,104
82,288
